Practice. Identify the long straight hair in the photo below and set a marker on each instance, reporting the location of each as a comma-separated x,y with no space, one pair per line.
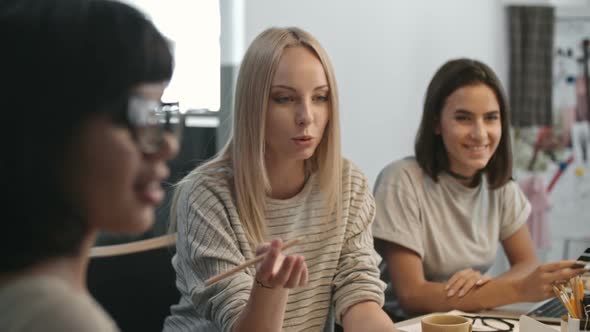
244,152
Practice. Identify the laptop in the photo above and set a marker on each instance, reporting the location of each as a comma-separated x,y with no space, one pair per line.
548,311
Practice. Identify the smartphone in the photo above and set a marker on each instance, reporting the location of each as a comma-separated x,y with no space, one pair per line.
584,261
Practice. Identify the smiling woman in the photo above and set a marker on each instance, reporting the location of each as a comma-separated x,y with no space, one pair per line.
441,215
87,158
470,129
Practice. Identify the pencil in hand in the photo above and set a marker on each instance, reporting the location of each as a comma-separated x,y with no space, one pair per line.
247,263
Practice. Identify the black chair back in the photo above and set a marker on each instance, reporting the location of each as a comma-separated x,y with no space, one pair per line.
137,288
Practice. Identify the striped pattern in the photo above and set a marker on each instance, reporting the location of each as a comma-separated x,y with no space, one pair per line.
339,254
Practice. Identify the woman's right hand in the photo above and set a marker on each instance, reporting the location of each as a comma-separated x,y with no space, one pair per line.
279,271
463,281
538,285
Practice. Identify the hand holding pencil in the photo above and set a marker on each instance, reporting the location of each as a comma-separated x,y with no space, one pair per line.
273,269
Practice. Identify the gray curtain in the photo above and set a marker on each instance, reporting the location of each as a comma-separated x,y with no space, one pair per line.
531,45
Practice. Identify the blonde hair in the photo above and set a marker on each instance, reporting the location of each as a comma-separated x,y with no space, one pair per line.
245,149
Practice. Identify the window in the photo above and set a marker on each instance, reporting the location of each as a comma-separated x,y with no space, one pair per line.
193,28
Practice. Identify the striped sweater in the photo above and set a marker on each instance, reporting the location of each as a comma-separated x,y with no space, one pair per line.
339,254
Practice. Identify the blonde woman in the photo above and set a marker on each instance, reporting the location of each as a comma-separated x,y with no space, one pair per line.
280,177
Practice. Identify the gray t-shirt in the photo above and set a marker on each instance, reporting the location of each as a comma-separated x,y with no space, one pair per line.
450,226
45,303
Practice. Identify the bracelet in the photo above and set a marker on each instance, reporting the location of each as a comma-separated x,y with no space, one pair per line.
261,284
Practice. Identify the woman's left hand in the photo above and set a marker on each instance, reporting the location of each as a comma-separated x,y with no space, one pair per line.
463,281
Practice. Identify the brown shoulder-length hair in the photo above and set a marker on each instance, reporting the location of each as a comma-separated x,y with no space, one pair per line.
429,149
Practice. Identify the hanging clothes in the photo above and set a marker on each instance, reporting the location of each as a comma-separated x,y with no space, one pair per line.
582,100
565,107
533,187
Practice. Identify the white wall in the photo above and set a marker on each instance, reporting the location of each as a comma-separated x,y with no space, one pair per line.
384,53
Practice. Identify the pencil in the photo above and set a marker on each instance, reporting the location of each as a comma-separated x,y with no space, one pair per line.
580,288
247,263
563,298
575,300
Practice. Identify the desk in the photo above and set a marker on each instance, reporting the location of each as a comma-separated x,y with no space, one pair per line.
513,310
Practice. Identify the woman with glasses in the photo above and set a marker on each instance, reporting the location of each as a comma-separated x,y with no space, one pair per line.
84,145
281,177
442,213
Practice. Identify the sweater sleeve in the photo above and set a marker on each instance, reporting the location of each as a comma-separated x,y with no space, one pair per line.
357,277
208,245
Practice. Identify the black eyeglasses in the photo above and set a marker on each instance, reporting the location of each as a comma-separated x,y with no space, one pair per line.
491,324
150,120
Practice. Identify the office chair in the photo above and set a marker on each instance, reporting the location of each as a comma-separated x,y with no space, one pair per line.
135,282
390,306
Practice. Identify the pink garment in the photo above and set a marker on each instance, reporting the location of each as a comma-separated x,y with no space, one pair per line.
565,97
582,100
533,188
568,117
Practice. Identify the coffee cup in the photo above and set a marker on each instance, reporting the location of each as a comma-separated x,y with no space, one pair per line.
445,323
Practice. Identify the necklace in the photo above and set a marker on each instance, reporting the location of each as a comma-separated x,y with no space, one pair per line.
459,176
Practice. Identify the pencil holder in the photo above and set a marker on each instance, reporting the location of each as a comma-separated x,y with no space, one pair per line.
569,324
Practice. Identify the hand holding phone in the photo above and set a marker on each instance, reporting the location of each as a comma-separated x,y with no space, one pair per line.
583,261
